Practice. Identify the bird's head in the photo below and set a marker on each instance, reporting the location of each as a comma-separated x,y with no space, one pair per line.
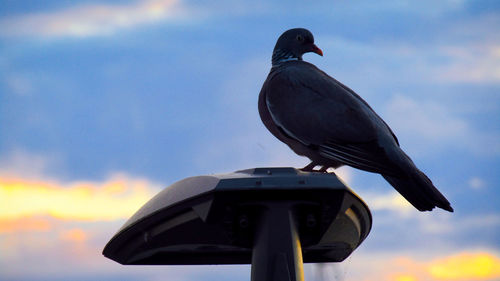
292,44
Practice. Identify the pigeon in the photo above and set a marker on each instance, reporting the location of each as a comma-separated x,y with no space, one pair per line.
324,120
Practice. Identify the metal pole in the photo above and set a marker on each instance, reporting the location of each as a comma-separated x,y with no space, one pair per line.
277,253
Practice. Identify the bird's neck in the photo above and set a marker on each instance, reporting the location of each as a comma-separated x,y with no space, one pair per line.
280,56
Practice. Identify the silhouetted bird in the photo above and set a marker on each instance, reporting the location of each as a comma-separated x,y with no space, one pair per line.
319,117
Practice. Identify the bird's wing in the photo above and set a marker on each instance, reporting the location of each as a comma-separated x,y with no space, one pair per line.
318,111
364,102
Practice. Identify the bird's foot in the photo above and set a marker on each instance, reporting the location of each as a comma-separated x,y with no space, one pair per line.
312,165
323,169
309,168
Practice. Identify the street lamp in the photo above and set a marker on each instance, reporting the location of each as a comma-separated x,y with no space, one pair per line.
273,218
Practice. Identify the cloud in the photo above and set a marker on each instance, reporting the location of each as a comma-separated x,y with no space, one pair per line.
405,278
72,250
467,52
446,224
19,85
391,201
24,225
116,198
466,266
476,183
399,266
74,235
393,207
83,234
92,19
425,119
59,228
436,224
20,163
475,63
428,122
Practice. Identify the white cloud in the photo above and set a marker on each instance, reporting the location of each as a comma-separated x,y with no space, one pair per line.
396,211
468,52
20,163
445,223
476,183
429,124
435,222
92,19
391,201
19,85
424,119
477,63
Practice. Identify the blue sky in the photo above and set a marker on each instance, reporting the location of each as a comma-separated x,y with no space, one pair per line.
118,99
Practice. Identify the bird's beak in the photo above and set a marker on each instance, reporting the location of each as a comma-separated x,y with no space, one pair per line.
316,50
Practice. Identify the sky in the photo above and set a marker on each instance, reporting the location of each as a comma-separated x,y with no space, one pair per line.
105,103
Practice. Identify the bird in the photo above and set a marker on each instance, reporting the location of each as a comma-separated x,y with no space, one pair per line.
322,119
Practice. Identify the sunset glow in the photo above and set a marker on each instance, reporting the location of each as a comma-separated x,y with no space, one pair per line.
24,224
466,266
74,235
116,198
405,278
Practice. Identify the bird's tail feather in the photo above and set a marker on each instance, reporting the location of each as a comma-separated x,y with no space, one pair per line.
419,191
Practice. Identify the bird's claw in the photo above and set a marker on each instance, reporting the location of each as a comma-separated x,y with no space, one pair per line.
309,167
312,165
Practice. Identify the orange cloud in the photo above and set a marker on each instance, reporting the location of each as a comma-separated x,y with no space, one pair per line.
24,224
466,266
462,266
405,277
116,198
74,235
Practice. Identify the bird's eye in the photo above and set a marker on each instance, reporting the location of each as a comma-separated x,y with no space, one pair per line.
300,38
